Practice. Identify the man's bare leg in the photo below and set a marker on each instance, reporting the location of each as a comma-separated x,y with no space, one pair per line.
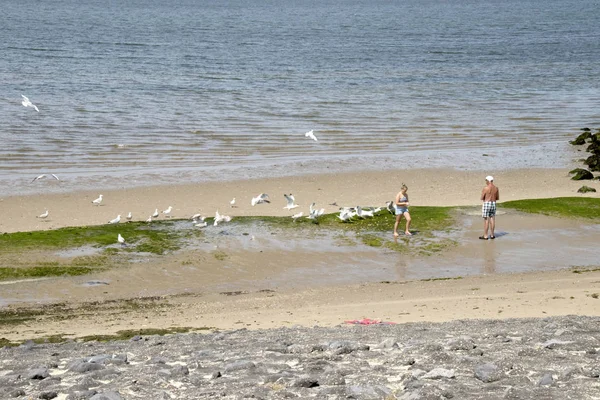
492,226
486,224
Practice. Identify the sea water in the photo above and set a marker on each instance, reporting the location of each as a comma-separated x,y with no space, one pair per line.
144,92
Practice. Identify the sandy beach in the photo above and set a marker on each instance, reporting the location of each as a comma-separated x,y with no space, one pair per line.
252,290
427,187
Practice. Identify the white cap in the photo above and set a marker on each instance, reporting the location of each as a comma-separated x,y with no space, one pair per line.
489,178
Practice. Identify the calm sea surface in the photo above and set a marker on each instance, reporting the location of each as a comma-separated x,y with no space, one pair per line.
163,91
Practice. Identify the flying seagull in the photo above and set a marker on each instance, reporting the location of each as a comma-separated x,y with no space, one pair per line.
261,198
37,178
290,201
55,177
27,103
97,201
310,134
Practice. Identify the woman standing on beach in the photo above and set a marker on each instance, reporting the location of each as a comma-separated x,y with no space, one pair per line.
401,203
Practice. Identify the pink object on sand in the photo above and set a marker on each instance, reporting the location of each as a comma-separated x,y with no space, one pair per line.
368,321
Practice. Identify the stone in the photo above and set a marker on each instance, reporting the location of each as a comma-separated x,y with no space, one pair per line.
488,372
586,189
439,373
580,174
38,373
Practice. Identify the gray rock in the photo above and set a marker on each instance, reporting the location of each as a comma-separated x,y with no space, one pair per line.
488,372
439,373
239,365
38,373
83,367
109,395
546,380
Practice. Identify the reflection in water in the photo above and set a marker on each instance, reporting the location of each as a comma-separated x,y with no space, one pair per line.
489,257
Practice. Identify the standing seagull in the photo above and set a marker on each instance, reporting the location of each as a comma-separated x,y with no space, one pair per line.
167,212
27,103
232,203
129,216
311,135
116,220
97,201
121,240
155,215
296,216
44,215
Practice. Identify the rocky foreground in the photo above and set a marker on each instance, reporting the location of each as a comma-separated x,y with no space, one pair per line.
551,358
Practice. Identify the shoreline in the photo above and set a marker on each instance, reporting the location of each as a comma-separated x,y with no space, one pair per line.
494,293
427,187
483,297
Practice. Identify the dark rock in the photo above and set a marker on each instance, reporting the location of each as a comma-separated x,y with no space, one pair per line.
48,395
38,373
586,189
579,140
593,162
580,174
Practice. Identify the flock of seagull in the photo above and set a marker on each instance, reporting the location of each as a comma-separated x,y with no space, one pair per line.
346,214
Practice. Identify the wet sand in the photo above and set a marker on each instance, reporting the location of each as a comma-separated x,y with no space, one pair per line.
283,281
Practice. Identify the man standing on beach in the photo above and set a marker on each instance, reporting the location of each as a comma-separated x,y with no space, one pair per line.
489,195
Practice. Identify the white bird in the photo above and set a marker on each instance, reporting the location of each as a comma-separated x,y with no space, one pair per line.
155,215
363,213
314,213
310,134
221,218
55,177
389,205
261,198
345,215
290,201
232,203
296,216
201,224
196,217
37,178
129,216
27,103
97,201
167,212
149,219
120,239
44,215
116,220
